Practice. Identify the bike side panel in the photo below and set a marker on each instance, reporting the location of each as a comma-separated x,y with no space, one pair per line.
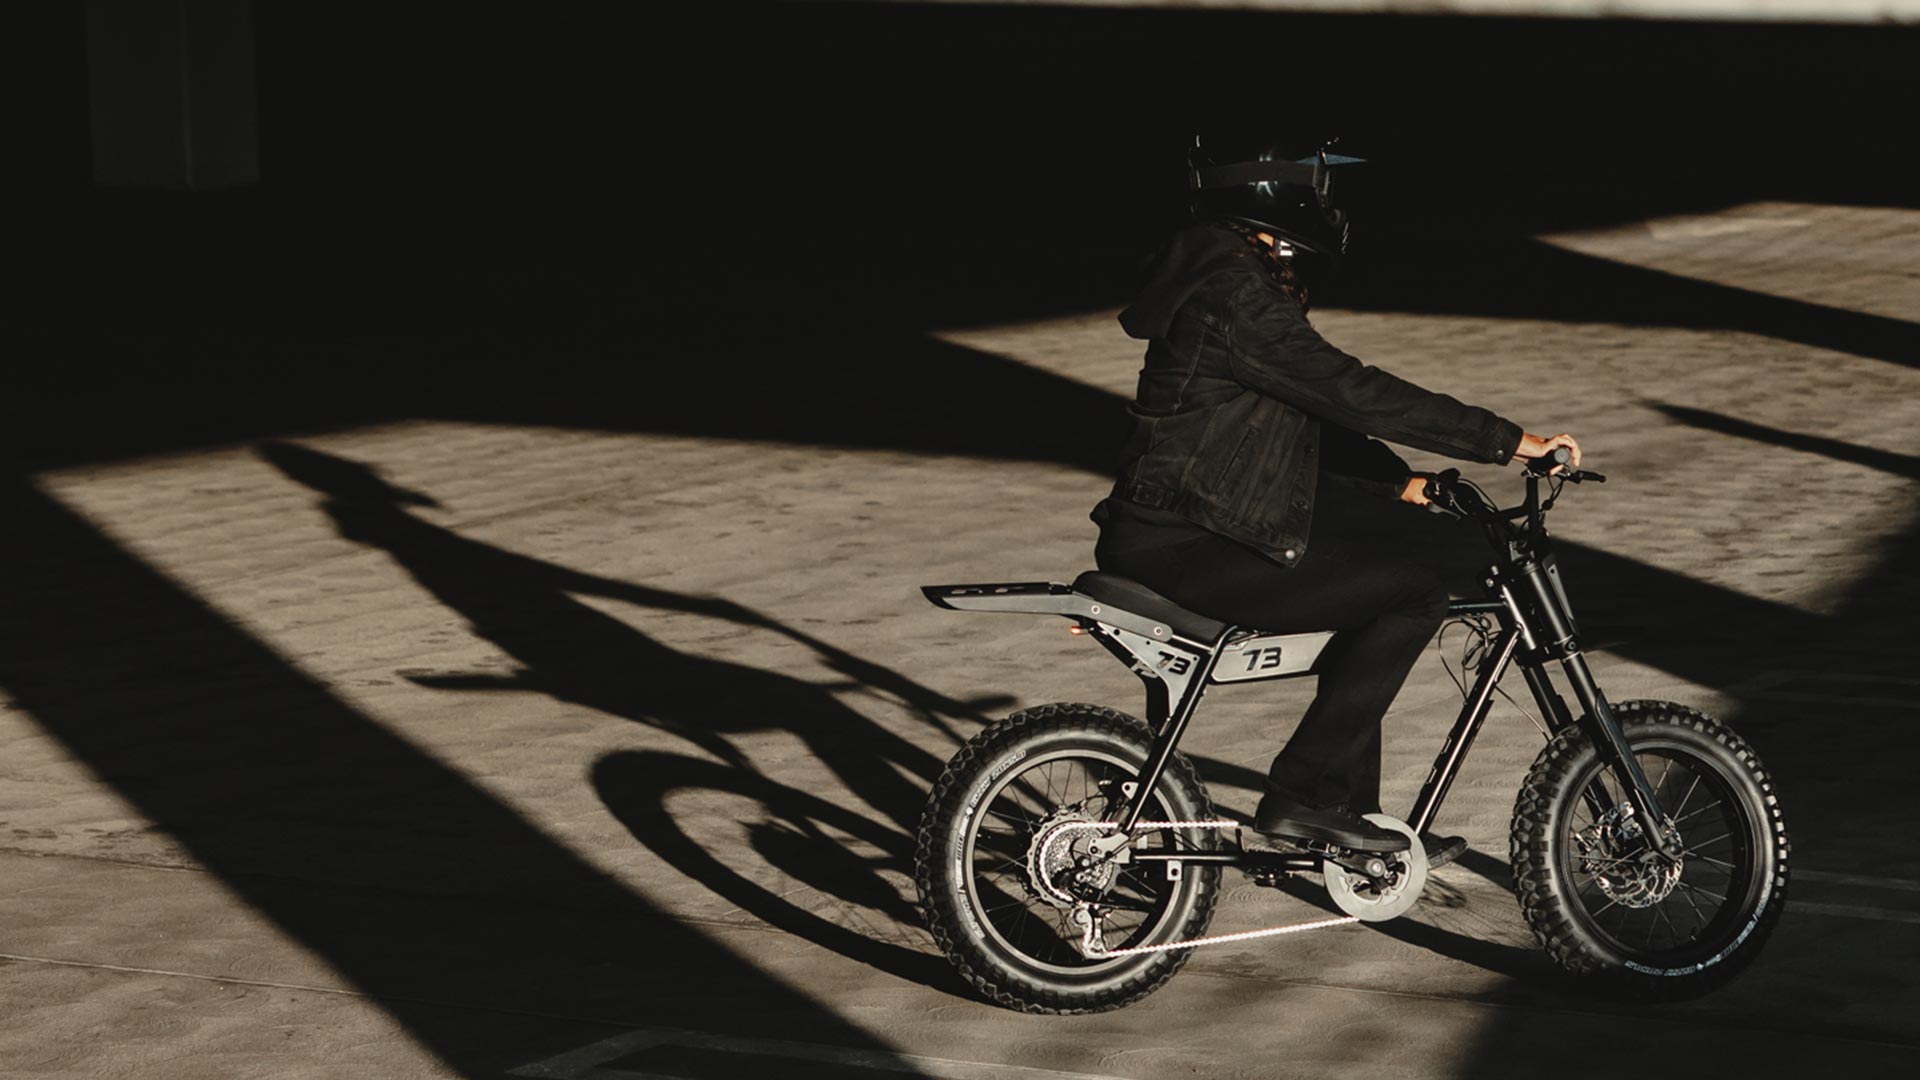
1270,656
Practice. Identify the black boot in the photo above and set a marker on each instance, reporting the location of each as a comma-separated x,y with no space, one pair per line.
1334,825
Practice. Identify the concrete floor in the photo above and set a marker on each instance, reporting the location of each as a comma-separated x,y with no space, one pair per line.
446,748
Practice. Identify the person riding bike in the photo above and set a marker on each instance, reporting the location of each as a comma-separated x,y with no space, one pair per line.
1242,410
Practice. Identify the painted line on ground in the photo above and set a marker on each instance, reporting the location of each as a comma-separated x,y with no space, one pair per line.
587,1063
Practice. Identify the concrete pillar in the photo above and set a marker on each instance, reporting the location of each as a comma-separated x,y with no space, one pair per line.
172,93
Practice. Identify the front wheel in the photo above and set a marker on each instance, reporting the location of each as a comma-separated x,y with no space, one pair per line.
1012,886
1603,902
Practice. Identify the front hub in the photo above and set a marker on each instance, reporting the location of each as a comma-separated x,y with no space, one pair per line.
1616,852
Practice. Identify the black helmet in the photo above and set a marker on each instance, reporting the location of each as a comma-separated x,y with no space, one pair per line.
1277,187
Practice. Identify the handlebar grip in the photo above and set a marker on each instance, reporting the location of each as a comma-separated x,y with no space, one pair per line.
1549,461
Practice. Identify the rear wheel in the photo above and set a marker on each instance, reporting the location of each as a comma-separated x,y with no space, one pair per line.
1003,905
1599,897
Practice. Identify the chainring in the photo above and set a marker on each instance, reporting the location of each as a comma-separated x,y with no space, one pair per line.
1379,899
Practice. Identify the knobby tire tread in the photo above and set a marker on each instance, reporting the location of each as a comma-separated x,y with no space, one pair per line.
1567,942
1010,989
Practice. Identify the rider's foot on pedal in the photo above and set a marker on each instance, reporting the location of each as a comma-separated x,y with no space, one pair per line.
1442,850
1335,825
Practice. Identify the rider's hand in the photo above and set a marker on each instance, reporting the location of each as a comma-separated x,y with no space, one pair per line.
1533,446
1415,491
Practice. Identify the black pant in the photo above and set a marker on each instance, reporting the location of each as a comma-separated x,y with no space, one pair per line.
1385,611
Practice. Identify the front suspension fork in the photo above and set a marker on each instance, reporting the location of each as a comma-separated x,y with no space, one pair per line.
1540,583
1607,738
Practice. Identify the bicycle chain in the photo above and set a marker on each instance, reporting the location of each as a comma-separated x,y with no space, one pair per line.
1093,947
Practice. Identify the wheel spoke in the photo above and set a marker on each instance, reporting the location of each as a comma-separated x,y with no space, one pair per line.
1664,770
1661,911
1023,820
1698,889
1696,813
1688,897
1688,797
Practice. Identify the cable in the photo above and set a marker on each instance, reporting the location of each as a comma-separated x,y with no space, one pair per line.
1474,655
1524,711
1471,655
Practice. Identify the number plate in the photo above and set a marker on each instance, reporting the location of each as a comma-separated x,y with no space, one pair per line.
1270,657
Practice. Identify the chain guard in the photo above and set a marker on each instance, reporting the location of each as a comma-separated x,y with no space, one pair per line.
1377,899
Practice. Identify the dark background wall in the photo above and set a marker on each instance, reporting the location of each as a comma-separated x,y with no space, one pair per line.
460,202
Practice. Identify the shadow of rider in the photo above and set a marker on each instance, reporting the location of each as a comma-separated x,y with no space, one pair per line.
566,649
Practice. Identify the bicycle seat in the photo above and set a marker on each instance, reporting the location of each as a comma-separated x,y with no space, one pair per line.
1129,595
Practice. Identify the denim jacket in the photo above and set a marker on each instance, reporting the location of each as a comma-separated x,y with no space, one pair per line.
1239,395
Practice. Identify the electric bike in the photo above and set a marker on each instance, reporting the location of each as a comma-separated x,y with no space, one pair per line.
1069,857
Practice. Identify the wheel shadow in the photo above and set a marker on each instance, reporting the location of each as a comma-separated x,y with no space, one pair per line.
573,653
798,839
420,892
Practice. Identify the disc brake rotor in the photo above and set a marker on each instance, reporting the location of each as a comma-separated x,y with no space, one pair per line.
1615,852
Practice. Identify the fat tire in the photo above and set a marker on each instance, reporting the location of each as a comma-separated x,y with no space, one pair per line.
1538,827
982,962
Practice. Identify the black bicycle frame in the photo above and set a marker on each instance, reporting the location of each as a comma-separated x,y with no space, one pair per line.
1536,627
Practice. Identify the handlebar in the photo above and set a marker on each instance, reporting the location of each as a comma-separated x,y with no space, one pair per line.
1558,458
1450,494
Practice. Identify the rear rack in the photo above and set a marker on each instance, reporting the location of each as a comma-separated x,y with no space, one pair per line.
1041,598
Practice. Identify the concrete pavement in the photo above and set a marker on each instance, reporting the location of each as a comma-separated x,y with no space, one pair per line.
458,748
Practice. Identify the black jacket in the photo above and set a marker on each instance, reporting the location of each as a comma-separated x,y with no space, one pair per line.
1239,395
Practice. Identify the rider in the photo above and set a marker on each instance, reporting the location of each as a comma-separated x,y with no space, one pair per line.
1242,408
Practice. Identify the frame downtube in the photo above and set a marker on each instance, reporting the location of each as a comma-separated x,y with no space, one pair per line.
1479,703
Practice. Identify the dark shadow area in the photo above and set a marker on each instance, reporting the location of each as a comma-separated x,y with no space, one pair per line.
1517,277
540,221
571,652
568,651
500,217
473,929
1886,461
638,787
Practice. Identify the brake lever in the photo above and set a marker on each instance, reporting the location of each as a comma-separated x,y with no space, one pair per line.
1439,493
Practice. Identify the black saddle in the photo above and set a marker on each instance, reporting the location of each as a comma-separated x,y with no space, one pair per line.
1129,595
